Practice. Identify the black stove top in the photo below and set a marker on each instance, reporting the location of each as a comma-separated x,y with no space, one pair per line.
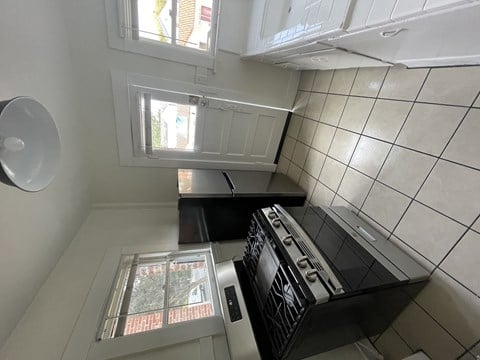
355,268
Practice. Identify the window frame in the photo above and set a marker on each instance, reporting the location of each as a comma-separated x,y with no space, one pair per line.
83,342
118,39
126,273
139,142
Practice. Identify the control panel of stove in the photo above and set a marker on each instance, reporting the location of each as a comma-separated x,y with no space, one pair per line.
301,261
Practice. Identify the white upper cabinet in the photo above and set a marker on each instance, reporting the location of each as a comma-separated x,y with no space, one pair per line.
328,34
433,39
277,23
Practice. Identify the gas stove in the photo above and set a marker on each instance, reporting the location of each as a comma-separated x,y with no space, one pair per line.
315,279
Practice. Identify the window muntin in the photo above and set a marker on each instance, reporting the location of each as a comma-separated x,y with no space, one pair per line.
183,23
153,291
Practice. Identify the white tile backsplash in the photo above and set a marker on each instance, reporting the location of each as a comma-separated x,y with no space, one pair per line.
307,131
322,195
432,227
420,331
462,262
300,154
342,81
385,205
386,119
405,170
323,137
403,84
314,163
392,346
314,105
429,127
453,190
332,173
333,109
300,104
294,126
428,232
355,187
369,155
307,183
368,81
453,306
288,147
322,81
343,145
455,86
465,144
356,113
306,80
294,172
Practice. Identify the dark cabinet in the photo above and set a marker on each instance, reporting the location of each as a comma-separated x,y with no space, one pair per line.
216,205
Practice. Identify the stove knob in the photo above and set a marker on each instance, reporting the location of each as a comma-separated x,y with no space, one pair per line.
276,223
311,275
302,261
287,240
272,214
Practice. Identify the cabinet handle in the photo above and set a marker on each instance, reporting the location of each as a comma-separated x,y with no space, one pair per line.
390,33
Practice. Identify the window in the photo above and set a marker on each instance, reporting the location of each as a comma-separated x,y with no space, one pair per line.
179,30
165,124
153,291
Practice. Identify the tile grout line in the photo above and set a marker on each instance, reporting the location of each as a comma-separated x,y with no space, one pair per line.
396,137
457,242
363,129
399,100
393,144
335,132
385,142
386,185
315,131
440,156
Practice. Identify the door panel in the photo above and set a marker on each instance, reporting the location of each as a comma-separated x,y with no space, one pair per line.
240,132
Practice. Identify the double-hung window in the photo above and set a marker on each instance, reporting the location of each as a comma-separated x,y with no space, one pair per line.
179,30
154,291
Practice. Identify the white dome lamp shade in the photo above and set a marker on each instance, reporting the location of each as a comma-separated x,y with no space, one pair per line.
29,144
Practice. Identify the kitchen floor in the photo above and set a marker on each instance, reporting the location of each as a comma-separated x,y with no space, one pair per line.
400,148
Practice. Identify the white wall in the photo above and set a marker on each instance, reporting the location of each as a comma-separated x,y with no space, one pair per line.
93,60
44,331
35,228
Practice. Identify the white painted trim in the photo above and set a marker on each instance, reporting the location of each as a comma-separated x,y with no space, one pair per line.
150,48
174,334
82,343
123,82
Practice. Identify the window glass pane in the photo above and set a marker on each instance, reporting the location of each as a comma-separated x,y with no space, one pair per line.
154,20
188,281
194,23
189,289
148,288
142,305
173,125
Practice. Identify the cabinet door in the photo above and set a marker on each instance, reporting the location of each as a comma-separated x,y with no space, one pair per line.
448,38
328,59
